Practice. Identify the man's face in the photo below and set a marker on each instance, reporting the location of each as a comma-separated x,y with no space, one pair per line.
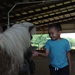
54,33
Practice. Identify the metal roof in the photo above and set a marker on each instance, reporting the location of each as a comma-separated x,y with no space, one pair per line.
40,13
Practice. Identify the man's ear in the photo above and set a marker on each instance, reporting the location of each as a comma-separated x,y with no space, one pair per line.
60,32
30,28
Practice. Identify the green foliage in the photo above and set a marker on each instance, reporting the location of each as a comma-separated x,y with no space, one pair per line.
39,40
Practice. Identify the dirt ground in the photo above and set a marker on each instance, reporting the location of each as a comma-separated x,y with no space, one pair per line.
42,65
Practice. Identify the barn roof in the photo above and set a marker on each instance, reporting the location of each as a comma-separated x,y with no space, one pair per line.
40,13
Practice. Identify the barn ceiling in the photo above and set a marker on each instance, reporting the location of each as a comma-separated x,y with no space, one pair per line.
40,13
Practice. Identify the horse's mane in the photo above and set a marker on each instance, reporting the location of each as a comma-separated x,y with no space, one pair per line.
16,40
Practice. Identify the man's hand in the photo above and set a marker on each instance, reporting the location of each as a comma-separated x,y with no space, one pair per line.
35,53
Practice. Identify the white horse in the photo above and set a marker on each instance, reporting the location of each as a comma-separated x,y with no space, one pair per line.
14,42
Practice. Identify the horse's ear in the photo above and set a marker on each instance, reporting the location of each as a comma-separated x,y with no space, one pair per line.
30,28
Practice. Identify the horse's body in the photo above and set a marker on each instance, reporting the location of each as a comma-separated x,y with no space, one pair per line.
13,44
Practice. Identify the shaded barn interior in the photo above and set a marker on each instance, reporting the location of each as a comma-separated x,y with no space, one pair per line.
41,14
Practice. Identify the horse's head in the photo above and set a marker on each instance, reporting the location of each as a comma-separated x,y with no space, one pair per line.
14,42
31,28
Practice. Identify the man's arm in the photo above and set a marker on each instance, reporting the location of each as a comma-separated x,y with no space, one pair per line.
45,54
69,60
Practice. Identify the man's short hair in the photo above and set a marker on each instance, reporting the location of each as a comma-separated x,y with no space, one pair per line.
56,25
